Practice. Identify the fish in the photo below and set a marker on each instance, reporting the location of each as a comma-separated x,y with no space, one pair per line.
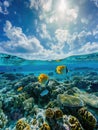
58,60
43,78
44,92
20,89
62,69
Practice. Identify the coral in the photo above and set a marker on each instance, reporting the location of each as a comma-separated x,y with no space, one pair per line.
52,104
45,126
0,104
58,114
49,113
22,125
74,123
87,118
34,121
3,120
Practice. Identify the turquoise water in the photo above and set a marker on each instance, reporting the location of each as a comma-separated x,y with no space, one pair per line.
19,76
81,63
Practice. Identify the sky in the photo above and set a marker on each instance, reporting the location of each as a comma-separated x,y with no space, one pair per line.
48,29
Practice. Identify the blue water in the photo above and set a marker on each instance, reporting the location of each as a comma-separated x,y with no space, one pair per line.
81,63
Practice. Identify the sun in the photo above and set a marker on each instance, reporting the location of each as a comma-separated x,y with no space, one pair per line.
62,6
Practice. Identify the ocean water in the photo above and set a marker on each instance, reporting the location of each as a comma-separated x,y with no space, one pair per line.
82,74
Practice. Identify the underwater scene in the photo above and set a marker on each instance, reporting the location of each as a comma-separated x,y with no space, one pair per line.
48,64
49,95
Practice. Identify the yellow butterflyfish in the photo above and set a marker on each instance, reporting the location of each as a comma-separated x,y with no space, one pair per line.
61,69
20,89
43,78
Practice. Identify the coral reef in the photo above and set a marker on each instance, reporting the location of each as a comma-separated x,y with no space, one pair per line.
3,119
87,119
26,104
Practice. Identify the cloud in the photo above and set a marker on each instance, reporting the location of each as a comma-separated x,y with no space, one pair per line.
28,47
43,32
44,5
48,10
6,3
61,35
74,40
18,42
62,45
95,32
89,48
4,7
56,17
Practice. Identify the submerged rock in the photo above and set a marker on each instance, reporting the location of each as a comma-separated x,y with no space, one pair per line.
69,101
89,99
28,104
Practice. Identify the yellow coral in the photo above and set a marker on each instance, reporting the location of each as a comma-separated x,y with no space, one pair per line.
42,78
87,117
58,114
22,125
74,123
49,113
45,126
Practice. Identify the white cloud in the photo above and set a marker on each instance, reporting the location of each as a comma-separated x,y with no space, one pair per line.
49,11
6,3
65,36
18,42
68,16
45,5
4,7
89,48
26,47
95,32
61,35
62,45
43,32
73,13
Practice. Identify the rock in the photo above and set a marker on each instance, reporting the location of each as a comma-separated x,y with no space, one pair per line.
89,99
69,101
28,104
